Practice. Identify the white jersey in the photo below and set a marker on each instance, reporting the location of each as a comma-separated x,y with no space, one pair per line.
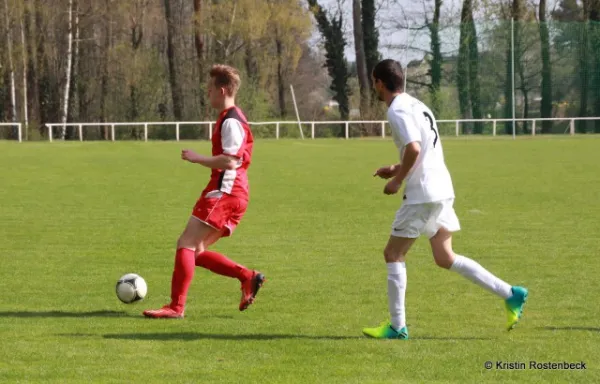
429,179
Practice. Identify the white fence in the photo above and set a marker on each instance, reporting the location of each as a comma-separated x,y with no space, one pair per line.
19,129
313,125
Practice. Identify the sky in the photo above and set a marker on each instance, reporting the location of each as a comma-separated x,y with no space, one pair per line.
393,12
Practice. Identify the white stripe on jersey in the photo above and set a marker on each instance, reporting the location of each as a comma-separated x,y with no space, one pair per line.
232,136
229,176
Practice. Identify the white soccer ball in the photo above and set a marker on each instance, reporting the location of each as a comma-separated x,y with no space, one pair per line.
131,288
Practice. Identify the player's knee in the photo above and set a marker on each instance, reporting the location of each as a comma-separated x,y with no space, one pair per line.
393,255
185,242
443,259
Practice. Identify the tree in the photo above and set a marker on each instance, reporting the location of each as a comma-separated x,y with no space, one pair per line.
173,59
431,29
468,68
11,65
370,38
436,59
595,33
361,64
331,29
67,89
584,54
462,70
199,46
546,106
517,14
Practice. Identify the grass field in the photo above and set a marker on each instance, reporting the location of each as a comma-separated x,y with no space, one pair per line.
76,216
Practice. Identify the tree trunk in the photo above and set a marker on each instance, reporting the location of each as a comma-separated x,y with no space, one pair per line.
32,72
43,85
595,31
174,77
583,75
474,88
280,77
82,83
199,45
546,105
68,72
11,66
361,65
250,62
437,59
462,71
517,14
24,55
137,33
370,39
70,134
105,73
525,108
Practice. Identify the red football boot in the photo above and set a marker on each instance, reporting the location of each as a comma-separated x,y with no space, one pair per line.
250,288
165,312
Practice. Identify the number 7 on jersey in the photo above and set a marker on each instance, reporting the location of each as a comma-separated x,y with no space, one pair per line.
428,117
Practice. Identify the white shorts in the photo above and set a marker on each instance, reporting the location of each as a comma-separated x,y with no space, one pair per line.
426,219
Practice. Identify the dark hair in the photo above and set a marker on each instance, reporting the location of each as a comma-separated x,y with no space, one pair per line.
390,73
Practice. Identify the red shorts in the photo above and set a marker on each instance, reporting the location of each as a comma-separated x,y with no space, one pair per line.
222,213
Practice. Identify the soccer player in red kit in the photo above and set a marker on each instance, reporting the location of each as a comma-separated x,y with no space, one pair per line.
222,203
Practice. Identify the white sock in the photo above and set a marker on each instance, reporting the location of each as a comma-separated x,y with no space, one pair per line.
396,292
472,270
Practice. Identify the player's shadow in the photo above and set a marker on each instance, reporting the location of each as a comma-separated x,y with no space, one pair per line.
191,336
36,314
450,338
570,328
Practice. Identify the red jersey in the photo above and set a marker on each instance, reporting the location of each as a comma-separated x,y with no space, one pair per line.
232,136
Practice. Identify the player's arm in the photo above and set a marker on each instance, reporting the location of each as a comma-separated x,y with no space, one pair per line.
406,128
232,140
213,162
409,158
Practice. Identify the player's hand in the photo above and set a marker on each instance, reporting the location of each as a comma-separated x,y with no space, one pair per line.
392,187
385,172
189,155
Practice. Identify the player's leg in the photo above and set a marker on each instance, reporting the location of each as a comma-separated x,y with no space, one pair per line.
444,256
395,258
193,236
226,215
405,230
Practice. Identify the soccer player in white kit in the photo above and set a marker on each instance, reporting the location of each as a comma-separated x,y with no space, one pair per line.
427,207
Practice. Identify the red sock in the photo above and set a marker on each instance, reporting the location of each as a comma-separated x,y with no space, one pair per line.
220,264
183,274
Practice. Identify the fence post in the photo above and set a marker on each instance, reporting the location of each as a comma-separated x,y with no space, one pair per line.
383,129
49,132
210,130
312,130
145,131
494,128
572,127
80,129
533,128
457,127
112,132
176,131
346,129
277,130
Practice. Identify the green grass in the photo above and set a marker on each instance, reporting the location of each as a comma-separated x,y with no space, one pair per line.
76,216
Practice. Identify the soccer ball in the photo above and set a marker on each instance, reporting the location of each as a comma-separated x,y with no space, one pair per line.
131,288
